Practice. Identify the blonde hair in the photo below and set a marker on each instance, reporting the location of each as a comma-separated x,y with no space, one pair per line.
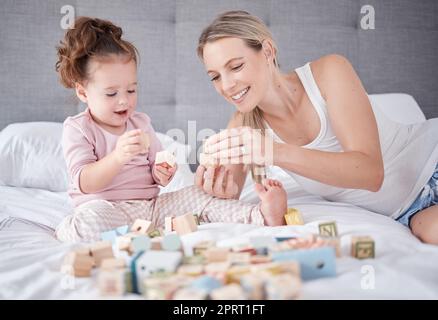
253,31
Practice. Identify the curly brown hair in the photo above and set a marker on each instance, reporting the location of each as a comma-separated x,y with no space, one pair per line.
91,38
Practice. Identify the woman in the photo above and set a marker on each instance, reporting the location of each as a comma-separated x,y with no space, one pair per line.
324,130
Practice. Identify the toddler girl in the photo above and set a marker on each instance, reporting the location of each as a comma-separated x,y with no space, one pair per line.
113,178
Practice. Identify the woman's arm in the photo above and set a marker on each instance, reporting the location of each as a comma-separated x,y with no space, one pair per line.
351,116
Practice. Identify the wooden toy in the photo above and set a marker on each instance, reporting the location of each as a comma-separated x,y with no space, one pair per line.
362,247
113,263
153,261
216,254
206,283
282,287
293,217
190,294
314,263
141,243
258,174
165,158
184,224
207,160
141,226
235,258
112,282
171,242
254,286
328,229
168,224
229,292
100,251
156,233
191,269
202,246
78,263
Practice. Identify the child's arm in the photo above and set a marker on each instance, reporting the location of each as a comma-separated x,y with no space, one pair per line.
96,176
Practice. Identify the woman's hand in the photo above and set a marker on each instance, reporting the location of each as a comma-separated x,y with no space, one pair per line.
130,144
217,182
164,173
240,145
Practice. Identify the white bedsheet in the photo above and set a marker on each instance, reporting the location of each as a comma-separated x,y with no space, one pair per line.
30,257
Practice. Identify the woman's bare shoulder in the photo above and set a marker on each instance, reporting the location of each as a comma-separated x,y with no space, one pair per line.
326,67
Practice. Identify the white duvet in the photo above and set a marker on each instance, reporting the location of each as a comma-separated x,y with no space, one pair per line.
404,268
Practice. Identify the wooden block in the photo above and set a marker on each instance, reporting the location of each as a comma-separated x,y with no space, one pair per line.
254,286
229,292
334,242
283,287
141,226
202,246
190,294
112,282
156,233
362,247
100,251
113,263
141,243
216,268
168,224
206,283
239,258
207,160
184,224
78,263
328,229
293,217
191,269
171,242
234,273
216,254
165,158
123,243
258,174
193,260
256,259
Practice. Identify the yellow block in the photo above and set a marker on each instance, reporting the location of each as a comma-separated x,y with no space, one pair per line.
293,217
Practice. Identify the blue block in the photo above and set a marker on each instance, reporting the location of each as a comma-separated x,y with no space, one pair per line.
122,230
109,236
280,239
314,263
206,283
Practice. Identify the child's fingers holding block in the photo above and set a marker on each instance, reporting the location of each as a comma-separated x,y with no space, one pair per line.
165,158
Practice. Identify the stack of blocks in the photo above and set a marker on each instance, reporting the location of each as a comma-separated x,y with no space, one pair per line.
153,264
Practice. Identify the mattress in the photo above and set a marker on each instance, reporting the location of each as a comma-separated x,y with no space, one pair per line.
403,268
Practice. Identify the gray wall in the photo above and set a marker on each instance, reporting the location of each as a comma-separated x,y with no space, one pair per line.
399,55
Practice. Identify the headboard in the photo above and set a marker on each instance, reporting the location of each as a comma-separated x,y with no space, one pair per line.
398,55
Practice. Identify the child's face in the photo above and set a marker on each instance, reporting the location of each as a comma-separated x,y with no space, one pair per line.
111,91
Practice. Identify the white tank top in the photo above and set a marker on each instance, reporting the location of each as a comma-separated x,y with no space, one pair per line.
410,154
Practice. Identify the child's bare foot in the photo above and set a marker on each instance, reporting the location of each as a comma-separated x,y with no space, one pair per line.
274,201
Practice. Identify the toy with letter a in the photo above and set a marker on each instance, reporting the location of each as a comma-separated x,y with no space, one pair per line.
362,247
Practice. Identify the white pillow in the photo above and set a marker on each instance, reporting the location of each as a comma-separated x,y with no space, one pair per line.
31,157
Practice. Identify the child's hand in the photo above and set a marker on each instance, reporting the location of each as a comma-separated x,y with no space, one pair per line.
164,173
130,144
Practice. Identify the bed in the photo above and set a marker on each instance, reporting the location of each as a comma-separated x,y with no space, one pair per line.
31,257
399,55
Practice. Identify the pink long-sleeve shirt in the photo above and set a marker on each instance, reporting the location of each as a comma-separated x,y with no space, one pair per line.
85,142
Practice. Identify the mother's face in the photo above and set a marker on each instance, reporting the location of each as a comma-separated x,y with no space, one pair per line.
238,72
